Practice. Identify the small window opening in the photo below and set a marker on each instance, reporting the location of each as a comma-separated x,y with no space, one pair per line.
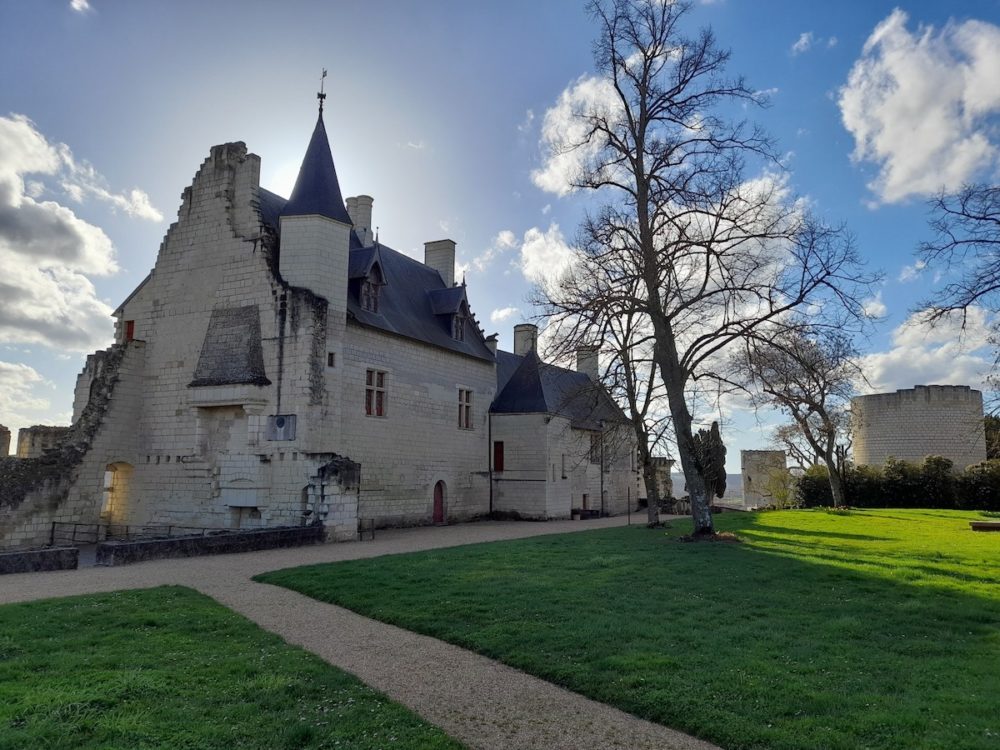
331,359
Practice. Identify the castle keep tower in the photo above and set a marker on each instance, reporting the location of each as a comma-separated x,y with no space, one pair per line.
913,423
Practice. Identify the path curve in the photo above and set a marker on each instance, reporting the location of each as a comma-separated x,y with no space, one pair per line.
476,700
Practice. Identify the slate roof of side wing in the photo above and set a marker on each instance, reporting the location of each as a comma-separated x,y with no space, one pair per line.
525,384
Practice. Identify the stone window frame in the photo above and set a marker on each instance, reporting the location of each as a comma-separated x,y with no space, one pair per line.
465,421
369,295
376,402
458,327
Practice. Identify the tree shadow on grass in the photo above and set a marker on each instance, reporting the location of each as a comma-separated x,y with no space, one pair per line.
745,646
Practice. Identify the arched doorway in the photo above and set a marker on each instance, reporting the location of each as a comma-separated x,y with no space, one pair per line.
115,505
439,491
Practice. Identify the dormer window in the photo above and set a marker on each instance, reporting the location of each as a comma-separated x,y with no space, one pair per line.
370,286
369,295
458,327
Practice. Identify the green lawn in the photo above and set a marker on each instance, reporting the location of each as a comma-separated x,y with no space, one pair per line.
875,629
170,668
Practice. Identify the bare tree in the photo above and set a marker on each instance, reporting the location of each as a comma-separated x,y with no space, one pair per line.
966,240
700,254
788,438
811,379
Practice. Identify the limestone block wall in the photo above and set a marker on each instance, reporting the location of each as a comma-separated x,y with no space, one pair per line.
757,469
4,441
548,469
418,442
522,486
912,423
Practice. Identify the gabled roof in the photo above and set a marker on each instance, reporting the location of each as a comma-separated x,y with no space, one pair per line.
449,300
406,306
525,384
361,261
317,190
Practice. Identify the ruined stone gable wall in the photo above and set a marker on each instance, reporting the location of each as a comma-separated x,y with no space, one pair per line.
66,484
202,456
910,424
419,441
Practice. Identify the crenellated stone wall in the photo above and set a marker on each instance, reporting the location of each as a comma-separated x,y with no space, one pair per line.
913,423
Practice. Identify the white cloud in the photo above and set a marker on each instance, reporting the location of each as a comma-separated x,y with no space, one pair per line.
803,43
874,307
80,6
546,208
564,133
47,253
20,403
912,272
504,241
504,313
945,354
525,125
545,255
80,180
831,42
919,105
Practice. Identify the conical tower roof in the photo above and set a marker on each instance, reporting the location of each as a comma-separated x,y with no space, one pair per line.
317,190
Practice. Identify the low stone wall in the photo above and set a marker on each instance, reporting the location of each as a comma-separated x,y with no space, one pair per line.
31,561
123,553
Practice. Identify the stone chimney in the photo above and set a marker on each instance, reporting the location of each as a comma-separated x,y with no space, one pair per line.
440,255
587,362
525,338
491,343
359,208
5,433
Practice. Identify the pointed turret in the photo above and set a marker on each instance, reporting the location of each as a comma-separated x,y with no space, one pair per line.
315,226
317,189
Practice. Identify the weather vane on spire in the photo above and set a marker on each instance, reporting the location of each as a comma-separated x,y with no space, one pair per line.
321,96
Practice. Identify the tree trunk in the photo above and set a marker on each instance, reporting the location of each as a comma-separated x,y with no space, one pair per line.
694,480
836,483
652,492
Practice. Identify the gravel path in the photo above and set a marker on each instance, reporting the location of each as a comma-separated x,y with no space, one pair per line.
480,702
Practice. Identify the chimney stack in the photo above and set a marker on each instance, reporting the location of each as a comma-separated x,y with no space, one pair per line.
491,343
587,362
440,255
359,208
525,338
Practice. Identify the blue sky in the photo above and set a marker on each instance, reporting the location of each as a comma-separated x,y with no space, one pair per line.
437,109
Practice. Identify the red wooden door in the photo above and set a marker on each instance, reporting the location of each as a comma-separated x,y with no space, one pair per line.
439,502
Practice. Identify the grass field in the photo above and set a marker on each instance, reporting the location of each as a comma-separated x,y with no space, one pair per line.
170,668
873,629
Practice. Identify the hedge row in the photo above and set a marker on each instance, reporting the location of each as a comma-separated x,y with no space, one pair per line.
900,484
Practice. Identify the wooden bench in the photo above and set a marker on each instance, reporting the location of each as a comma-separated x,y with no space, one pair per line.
985,525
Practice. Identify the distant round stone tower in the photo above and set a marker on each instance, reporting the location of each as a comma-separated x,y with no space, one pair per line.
913,423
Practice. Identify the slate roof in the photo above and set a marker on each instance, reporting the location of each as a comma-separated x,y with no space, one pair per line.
317,190
408,304
232,353
528,385
448,301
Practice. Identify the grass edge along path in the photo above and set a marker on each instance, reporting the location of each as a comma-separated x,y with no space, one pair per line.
875,629
169,667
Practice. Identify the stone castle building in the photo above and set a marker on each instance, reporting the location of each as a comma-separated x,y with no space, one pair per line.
279,365
913,423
